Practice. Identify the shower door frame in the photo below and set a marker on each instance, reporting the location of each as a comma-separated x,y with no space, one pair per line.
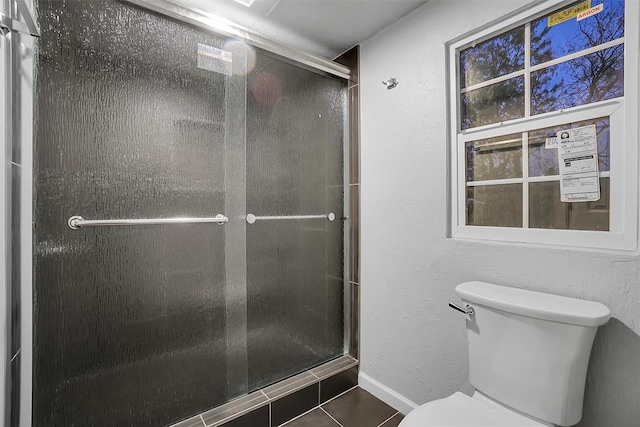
16,78
20,134
5,230
223,27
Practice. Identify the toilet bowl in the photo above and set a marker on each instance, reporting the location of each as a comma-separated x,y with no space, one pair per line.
528,358
460,410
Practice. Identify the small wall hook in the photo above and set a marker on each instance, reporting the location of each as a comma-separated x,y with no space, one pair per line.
391,83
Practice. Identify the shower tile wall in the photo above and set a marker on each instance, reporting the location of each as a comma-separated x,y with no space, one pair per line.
351,59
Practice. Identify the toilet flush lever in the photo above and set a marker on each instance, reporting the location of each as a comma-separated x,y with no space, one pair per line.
467,309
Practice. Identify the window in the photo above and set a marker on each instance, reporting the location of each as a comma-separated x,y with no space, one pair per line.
513,87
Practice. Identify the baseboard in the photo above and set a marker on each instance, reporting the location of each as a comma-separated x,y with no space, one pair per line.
387,395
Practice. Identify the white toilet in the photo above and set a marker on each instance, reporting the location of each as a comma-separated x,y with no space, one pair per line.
528,358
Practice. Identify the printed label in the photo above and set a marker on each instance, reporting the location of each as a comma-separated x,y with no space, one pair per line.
566,14
593,11
214,59
578,164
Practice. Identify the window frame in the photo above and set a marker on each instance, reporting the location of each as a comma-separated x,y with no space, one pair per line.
624,133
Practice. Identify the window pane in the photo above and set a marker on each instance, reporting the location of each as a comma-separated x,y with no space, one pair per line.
571,36
547,211
544,161
495,205
495,158
495,57
493,104
587,79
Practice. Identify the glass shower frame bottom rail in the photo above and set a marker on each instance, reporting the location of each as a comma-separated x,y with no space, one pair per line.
219,416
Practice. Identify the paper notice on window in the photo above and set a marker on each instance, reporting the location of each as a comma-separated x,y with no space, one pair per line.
578,164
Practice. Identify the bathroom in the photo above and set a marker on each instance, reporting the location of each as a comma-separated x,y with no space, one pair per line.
402,253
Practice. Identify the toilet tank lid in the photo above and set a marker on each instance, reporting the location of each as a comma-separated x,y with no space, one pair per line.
535,304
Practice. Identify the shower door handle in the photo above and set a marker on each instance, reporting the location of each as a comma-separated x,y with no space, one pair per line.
251,218
76,222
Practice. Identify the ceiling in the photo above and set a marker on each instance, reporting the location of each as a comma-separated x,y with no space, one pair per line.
323,27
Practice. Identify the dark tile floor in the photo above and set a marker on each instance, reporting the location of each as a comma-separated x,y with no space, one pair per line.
355,408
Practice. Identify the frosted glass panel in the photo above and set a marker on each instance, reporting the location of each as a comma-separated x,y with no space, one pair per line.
295,126
130,322
148,325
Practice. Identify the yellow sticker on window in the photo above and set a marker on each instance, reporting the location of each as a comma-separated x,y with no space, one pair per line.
569,13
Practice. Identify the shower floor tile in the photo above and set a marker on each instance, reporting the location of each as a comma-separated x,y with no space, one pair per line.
355,408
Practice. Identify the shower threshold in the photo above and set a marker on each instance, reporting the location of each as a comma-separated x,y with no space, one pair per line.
280,402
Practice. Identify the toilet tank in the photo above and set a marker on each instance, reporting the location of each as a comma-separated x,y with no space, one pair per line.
530,350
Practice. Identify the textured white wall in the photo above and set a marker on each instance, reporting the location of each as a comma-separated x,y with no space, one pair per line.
412,342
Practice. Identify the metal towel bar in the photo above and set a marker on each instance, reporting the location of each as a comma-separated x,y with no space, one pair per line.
251,218
76,222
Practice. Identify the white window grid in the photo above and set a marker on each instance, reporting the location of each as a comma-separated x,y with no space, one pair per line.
622,235
575,114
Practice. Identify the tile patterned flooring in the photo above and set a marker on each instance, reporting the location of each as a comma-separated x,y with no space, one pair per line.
354,408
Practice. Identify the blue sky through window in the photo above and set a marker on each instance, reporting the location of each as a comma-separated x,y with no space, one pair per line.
590,78
573,35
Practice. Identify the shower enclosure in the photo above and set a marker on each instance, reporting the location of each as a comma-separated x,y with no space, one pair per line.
189,225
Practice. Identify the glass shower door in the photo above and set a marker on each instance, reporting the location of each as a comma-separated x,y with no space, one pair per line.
141,117
137,117
295,191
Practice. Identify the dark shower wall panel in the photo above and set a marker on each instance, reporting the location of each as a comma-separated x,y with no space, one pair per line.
295,134
129,325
